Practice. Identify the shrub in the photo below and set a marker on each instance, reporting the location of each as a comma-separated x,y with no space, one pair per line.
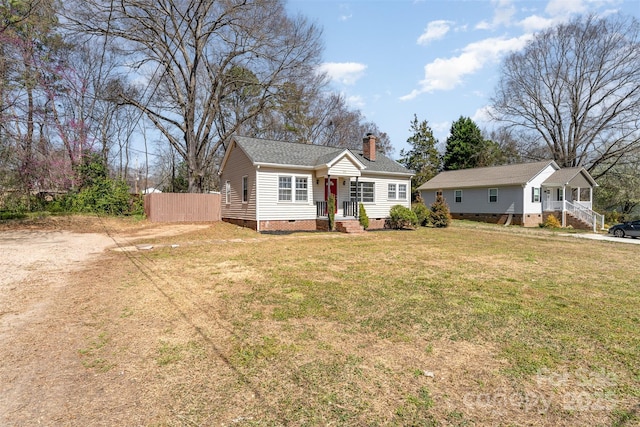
363,217
331,212
551,222
402,217
440,215
422,213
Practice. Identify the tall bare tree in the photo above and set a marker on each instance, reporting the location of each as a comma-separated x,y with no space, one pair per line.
576,88
197,55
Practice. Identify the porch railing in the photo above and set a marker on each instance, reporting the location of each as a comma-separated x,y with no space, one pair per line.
585,215
321,208
349,208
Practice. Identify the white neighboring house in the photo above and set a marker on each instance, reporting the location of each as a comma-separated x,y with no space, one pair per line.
523,194
151,190
272,185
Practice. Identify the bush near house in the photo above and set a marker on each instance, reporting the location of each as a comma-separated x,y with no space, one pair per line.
551,222
422,213
402,217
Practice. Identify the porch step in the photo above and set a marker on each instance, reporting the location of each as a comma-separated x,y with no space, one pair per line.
351,227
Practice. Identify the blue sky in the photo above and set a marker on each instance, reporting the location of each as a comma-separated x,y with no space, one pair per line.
437,59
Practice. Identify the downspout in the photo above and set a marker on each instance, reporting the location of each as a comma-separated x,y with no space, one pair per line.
257,199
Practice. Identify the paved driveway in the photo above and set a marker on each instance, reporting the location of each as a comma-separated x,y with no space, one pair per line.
605,237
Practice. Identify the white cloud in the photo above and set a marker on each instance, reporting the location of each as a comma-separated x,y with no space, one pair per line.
558,8
356,101
502,15
535,23
448,73
435,30
346,73
482,115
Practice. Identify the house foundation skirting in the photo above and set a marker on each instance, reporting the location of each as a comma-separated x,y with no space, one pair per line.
248,223
528,220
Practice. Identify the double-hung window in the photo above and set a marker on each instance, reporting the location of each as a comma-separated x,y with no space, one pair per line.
284,189
288,193
493,195
402,191
365,193
245,189
301,189
457,196
227,192
391,191
535,194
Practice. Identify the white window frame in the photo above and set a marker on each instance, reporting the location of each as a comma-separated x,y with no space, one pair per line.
227,192
361,184
391,191
245,189
535,195
457,194
496,195
299,191
296,193
402,191
284,191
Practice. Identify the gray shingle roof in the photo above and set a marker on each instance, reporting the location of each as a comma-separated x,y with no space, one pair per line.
498,176
265,151
564,176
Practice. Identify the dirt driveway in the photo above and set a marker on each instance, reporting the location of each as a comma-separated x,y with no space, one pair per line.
42,313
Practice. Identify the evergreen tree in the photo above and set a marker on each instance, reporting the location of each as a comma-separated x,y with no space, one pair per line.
440,214
464,145
423,158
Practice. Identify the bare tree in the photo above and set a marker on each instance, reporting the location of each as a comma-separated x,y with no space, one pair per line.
197,56
576,88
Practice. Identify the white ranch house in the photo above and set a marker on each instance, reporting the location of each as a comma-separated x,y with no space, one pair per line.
272,185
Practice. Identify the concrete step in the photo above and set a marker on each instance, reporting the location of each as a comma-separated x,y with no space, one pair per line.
351,227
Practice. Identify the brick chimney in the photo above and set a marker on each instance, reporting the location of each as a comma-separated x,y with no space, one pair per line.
369,147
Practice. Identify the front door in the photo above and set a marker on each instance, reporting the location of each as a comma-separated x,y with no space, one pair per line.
333,188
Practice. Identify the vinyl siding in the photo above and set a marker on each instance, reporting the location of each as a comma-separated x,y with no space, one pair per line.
381,205
271,208
238,165
344,167
476,200
529,206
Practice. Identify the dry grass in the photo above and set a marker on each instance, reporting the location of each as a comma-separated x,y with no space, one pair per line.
469,325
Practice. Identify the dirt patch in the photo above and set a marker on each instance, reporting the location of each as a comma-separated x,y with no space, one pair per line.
44,311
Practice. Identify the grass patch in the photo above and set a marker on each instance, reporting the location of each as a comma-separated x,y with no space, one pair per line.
318,329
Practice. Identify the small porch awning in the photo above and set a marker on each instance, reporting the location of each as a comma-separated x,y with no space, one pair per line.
570,177
344,164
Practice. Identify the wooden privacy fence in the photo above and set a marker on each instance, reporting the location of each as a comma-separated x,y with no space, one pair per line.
182,207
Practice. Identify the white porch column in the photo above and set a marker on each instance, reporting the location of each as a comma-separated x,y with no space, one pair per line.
564,201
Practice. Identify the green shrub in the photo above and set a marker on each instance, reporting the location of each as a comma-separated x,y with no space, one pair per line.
402,217
363,217
422,213
440,215
331,212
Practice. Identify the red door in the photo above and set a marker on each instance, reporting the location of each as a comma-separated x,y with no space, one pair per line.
333,187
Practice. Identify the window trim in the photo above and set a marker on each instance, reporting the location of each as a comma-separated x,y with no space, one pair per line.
293,189
392,191
456,197
496,195
360,193
536,195
227,192
306,189
245,189
400,196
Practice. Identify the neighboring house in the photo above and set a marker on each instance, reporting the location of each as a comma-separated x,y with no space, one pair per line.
523,194
283,186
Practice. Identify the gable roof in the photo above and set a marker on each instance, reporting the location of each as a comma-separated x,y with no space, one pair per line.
506,175
564,176
268,152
